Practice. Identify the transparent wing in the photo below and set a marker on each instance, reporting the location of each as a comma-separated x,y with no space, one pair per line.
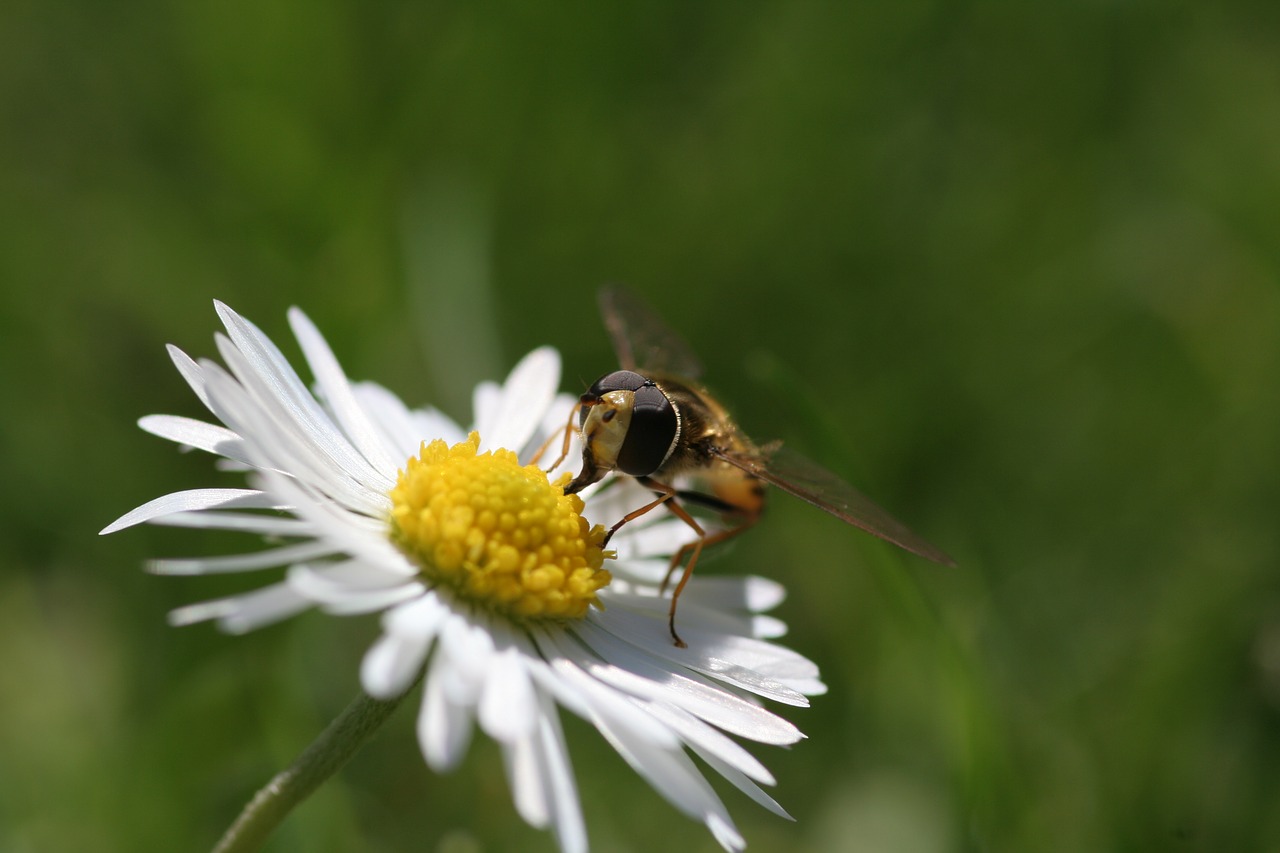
810,482
641,339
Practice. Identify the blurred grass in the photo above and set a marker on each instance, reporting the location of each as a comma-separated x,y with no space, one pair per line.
1015,271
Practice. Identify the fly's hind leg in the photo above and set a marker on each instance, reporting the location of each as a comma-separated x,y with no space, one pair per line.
693,549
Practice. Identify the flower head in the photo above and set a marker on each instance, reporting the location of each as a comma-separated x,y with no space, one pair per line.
485,573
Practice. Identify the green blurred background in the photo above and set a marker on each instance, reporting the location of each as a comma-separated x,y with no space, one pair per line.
1012,269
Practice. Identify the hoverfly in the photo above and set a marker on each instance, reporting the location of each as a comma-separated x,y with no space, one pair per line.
651,420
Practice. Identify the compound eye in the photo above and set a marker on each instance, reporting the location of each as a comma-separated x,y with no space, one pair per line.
619,380
652,431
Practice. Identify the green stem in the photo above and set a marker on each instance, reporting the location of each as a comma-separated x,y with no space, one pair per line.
333,748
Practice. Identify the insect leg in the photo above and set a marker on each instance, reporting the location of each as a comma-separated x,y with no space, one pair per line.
667,495
564,447
663,497
714,539
696,547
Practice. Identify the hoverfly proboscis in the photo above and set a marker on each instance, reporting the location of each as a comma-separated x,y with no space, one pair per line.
652,421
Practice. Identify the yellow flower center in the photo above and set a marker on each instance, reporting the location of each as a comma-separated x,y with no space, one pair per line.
499,533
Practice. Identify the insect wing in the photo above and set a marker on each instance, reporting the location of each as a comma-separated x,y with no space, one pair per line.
641,339
810,482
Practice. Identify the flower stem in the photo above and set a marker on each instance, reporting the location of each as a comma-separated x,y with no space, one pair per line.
333,748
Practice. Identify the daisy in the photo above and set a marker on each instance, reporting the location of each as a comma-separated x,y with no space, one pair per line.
486,574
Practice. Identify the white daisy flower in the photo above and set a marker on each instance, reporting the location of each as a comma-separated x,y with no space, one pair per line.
485,572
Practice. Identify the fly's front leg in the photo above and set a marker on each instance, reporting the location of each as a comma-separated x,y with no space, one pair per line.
564,447
665,494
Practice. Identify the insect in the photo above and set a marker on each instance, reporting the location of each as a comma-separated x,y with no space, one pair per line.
651,420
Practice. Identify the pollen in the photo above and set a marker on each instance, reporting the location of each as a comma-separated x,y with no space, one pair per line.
497,532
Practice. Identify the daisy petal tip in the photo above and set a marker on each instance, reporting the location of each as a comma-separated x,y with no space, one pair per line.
226,314
185,363
545,358
382,689
239,624
377,678
298,319
112,528
231,319
124,522
726,833
192,613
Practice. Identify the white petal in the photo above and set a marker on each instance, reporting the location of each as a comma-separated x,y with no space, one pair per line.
399,427
749,594
486,398
274,441
190,371
647,573
741,782
337,393
265,559
508,708
671,774
423,617
266,525
768,628
541,780
198,434
725,832
264,607
631,593
643,675
278,435
193,500
529,792
769,659
528,391
712,654
389,666
350,586
694,732
373,601
272,382
359,536
242,613
613,498
410,629
201,612
432,424
558,775
469,650
662,536
605,705
444,728
807,686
